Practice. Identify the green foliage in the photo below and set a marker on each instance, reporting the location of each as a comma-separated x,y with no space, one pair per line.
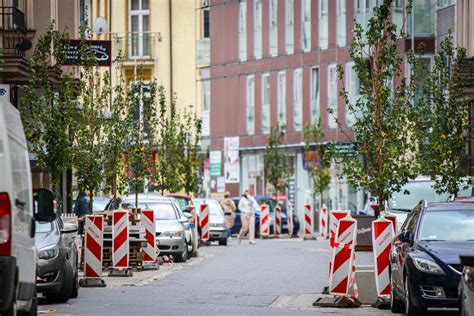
384,114
48,106
320,176
277,170
444,120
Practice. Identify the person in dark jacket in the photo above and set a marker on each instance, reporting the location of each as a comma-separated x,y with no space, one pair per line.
81,209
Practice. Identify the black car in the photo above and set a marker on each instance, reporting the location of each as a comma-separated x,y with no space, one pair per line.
57,274
425,268
466,286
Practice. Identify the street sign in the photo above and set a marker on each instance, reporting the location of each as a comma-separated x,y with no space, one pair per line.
101,49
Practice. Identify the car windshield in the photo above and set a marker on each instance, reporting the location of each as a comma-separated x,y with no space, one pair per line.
100,204
214,207
418,190
449,225
43,227
163,211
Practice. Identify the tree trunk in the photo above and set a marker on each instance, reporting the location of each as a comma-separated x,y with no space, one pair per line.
380,206
91,201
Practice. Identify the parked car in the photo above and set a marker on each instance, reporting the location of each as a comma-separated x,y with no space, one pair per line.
172,228
425,268
100,203
58,257
217,222
466,286
185,203
18,213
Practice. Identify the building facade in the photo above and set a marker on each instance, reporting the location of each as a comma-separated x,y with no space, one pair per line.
275,62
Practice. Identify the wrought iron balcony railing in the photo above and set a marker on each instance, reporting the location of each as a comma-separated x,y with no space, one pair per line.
135,45
13,31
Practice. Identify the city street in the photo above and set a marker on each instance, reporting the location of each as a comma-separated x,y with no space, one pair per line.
238,279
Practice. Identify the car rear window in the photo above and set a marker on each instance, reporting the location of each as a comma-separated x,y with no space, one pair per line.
163,211
449,225
214,207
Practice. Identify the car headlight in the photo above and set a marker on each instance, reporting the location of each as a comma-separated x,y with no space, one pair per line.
427,265
178,234
48,253
217,225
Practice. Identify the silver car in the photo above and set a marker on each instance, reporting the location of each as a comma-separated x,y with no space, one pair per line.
170,223
217,221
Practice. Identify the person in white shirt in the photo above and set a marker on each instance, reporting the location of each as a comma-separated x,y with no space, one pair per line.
247,206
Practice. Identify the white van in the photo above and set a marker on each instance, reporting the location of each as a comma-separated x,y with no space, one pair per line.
17,218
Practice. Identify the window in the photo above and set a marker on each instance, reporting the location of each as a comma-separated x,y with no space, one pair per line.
423,11
306,25
281,98
365,10
398,7
205,23
289,25
142,95
314,94
341,22
352,88
257,29
273,27
266,103
250,105
206,106
298,100
139,21
243,30
445,3
332,96
323,24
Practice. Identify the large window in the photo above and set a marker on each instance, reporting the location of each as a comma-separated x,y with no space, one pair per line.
323,24
243,30
273,36
341,22
423,11
306,25
445,3
398,8
250,105
206,107
281,98
289,25
206,30
257,29
298,100
314,94
332,96
352,88
265,103
139,21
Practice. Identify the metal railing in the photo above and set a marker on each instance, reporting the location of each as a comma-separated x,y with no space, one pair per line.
13,31
135,45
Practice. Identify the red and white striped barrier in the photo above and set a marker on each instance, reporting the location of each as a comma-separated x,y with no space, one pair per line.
382,236
289,216
308,220
392,218
120,244
93,243
334,217
323,222
277,220
151,250
204,222
342,272
264,220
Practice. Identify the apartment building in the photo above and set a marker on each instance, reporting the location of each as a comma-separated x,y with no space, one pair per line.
274,62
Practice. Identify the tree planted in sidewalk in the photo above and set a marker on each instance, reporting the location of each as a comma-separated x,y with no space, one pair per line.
384,113
277,170
48,106
444,120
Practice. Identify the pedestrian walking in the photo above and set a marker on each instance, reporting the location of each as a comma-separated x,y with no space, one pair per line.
81,209
229,211
247,206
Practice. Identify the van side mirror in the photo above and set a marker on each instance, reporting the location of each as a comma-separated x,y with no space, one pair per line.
44,206
405,236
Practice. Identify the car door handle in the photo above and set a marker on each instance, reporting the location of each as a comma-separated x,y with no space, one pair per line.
20,204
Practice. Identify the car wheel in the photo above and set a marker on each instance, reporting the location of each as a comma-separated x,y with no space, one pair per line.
66,286
223,242
396,305
190,250
75,286
410,309
183,257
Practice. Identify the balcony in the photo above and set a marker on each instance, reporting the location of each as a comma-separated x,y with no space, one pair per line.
135,46
203,57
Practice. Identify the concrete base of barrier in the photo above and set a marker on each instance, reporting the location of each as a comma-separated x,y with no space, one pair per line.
86,282
382,303
337,301
120,273
151,266
365,278
309,238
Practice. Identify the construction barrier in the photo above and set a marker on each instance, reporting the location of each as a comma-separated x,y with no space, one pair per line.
93,241
204,222
382,236
342,274
289,213
323,222
120,242
308,220
277,220
264,220
334,217
151,250
392,218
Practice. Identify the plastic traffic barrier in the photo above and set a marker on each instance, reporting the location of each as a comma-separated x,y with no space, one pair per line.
93,245
334,217
120,242
204,222
382,237
264,220
277,220
151,250
323,222
308,220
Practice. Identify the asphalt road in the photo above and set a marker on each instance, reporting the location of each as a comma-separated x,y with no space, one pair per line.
234,280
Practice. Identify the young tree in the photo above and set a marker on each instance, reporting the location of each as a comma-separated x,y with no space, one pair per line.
320,174
48,106
384,114
444,121
277,170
